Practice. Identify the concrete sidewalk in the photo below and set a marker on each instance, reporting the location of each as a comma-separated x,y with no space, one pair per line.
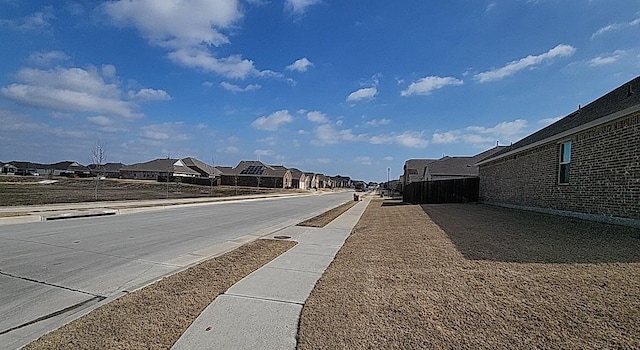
262,310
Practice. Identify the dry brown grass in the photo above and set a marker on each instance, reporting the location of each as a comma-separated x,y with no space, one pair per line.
494,278
20,190
156,316
325,218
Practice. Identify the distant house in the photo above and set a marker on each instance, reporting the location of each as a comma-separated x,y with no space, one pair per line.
318,181
110,170
447,167
587,163
340,181
9,169
306,180
256,174
296,176
66,168
204,169
414,170
154,169
28,168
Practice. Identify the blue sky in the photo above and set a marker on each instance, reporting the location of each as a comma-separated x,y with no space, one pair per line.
335,87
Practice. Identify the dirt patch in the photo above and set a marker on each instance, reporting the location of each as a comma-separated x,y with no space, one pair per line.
156,316
83,190
325,218
402,282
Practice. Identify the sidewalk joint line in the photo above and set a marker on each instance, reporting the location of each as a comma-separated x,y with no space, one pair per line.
264,299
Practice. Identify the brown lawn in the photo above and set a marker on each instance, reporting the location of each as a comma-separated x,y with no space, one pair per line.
474,276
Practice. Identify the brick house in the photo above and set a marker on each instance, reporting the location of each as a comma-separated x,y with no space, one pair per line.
587,164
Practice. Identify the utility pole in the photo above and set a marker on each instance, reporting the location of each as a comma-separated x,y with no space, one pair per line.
212,176
388,184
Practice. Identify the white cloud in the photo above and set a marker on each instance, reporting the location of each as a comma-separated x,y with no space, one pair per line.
100,120
69,90
301,65
48,58
501,129
35,21
236,88
549,121
409,139
317,117
78,90
364,160
228,150
378,122
483,137
273,121
426,85
177,24
187,29
614,27
514,67
149,95
263,152
164,132
328,135
606,59
299,7
234,66
269,141
362,94
388,158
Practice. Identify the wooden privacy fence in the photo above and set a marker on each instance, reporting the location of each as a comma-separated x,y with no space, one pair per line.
442,191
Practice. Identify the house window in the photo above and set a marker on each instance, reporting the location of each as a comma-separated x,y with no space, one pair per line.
565,162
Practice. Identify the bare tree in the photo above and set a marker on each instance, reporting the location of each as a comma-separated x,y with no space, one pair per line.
98,157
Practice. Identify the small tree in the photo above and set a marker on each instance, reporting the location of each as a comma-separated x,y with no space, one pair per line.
98,157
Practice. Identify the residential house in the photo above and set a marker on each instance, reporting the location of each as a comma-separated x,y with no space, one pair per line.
66,168
256,174
305,181
8,169
296,175
447,168
158,168
318,181
204,169
414,170
28,168
110,170
585,164
340,181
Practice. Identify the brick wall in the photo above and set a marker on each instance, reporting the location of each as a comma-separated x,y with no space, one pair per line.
605,173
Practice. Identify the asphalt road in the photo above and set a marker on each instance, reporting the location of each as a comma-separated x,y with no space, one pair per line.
52,272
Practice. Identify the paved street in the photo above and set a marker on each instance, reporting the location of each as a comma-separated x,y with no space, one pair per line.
50,272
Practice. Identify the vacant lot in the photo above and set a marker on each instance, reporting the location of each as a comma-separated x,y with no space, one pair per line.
474,276
27,190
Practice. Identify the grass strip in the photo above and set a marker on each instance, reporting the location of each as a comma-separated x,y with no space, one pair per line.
325,218
156,316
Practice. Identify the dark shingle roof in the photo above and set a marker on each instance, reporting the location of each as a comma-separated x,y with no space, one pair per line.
621,98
